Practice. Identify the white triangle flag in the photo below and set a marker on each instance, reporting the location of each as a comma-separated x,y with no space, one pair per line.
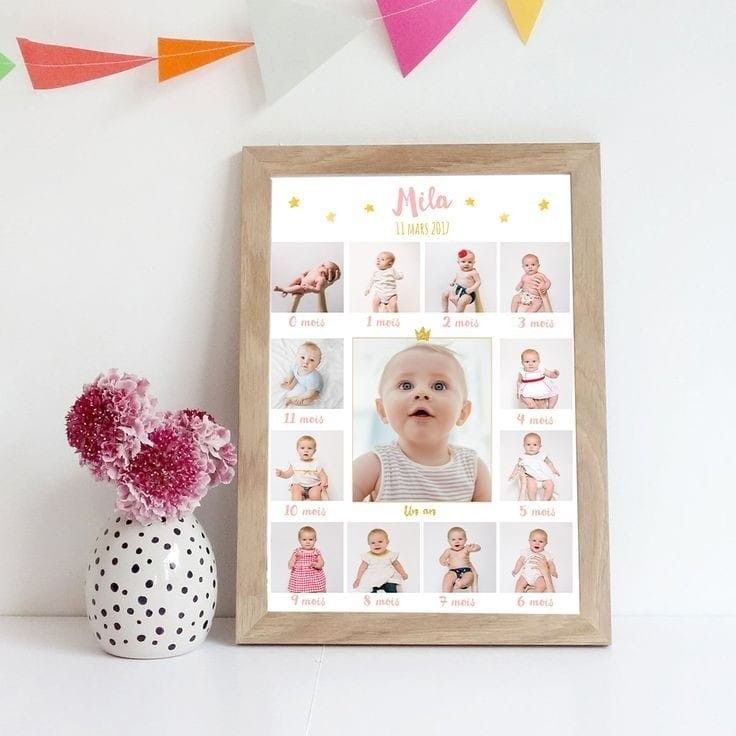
293,39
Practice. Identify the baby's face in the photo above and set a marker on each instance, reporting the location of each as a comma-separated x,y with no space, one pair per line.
530,361
384,260
531,445
530,264
306,449
423,396
308,358
466,263
537,542
457,540
307,540
378,543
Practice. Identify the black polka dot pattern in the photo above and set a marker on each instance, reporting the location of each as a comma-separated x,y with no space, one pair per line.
148,589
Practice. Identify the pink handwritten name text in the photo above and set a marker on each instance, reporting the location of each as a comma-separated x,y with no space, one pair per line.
422,203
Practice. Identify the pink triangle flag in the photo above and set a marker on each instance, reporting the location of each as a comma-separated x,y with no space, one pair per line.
416,27
52,66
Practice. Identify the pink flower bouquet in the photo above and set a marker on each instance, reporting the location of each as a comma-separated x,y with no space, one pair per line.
162,463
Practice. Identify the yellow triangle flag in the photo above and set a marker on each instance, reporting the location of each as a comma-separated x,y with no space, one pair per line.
524,14
179,55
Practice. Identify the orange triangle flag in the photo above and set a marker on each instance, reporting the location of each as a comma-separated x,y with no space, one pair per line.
180,55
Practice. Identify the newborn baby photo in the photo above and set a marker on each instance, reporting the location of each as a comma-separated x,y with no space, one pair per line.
307,277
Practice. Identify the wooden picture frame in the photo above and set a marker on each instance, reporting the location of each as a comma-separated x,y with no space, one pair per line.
256,624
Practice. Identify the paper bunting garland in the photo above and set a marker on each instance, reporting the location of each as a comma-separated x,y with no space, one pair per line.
6,66
524,14
51,66
178,56
416,28
293,39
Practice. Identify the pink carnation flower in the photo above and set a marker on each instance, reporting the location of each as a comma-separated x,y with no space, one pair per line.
167,478
162,464
213,441
110,422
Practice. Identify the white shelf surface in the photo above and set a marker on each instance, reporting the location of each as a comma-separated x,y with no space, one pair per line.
670,675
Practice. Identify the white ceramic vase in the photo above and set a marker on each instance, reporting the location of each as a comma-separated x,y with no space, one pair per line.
151,589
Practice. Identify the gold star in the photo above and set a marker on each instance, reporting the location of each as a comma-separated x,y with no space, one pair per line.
294,202
543,205
503,217
369,207
470,202
330,217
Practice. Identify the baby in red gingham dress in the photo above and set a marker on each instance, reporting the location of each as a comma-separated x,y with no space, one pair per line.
306,565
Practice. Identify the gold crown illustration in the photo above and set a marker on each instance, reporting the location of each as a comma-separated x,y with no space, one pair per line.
423,334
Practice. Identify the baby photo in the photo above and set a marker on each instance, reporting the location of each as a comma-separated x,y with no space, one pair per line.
306,467
307,277
536,559
460,277
535,277
384,277
306,374
536,374
306,558
421,420
383,558
459,558
537,466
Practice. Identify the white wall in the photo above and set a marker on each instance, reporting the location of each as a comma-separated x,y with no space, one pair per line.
120,228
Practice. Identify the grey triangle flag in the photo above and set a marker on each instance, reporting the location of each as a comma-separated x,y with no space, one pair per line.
293,39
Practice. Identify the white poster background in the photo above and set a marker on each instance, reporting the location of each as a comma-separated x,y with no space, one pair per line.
359,215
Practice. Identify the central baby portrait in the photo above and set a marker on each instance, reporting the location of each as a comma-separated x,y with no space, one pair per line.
421,434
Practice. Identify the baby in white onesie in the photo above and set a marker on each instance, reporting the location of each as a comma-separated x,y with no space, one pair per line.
535,567
383,282
535,471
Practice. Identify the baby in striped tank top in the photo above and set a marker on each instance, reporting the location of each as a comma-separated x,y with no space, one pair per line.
423,394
